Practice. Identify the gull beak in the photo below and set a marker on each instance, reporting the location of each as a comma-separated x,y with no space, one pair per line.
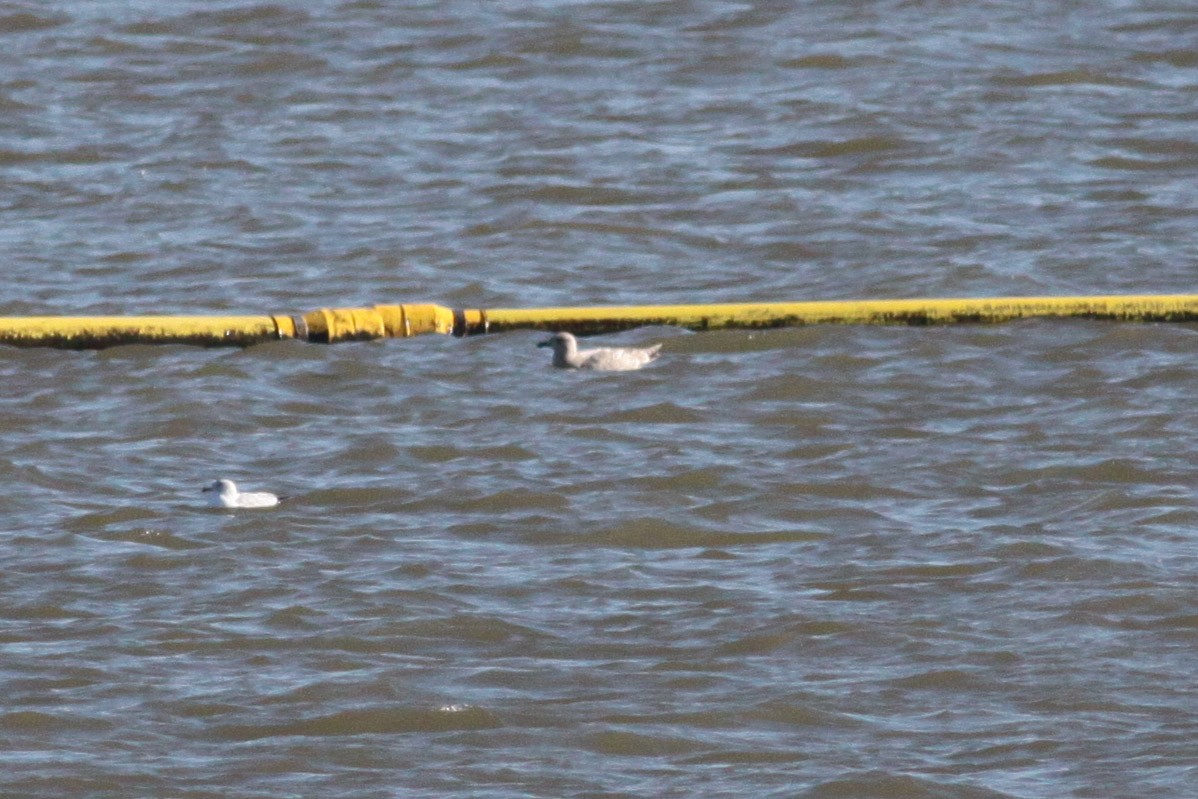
546,343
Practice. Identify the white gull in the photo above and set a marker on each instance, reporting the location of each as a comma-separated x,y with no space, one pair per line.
566,355
226,495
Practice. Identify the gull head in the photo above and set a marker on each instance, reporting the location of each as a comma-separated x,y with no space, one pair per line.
221,487
561,342
223,493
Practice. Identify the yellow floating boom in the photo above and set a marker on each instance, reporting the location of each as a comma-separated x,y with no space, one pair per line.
1141,308
329,325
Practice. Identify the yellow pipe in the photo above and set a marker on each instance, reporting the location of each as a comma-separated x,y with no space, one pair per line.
1139,308
325,325
95,332
329,325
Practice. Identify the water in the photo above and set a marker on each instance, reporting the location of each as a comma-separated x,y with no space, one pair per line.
824,562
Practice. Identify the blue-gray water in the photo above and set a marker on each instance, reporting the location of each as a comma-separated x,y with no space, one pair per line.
820,563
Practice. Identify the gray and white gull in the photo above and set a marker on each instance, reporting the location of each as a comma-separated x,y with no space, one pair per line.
224,494
566,355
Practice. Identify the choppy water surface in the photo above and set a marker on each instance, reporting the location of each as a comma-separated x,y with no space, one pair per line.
826,562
